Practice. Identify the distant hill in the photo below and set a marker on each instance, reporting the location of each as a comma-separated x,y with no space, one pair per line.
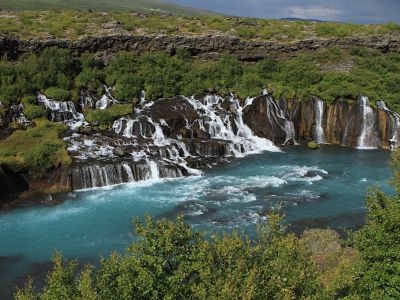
103,5
299,19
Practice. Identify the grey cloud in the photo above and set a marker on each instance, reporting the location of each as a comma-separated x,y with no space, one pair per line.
357,11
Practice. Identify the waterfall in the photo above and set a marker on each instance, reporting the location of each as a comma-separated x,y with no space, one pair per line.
142,96
149,145
367,138
276,117
394,141
129,172
290,132
154,172
319,114
95,175
219,125
107,99
17,114
62,111
158,135
381,105
86,100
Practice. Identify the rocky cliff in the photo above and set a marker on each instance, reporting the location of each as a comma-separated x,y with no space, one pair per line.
11,185
204,46
182,136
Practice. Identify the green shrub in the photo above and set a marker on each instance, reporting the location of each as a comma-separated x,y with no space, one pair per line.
51,68
33,111
91,75
42,158
17,126
29,99
29,150
171,261
105,117
58,94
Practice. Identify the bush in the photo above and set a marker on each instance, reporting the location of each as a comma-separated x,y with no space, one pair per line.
91,75
105,117
35,149
51,68
171,261
33,111
58,94
42,158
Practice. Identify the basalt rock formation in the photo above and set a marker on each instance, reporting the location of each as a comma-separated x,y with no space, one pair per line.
181,136
355,124
11,185
204,46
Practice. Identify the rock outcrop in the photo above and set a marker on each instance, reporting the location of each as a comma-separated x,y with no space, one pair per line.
11,185
180,136
204,46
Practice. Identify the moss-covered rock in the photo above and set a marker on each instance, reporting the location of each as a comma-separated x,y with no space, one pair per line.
313,145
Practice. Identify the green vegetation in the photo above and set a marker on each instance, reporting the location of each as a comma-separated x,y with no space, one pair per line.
105,117
36,149
329,73
171,261
31,109
102,5
312,145
77,24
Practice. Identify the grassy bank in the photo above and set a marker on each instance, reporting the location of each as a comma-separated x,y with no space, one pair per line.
36,149
73,24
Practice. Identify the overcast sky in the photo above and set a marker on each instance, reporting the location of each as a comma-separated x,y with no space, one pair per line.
356,11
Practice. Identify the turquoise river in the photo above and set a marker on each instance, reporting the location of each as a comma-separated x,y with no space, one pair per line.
323,188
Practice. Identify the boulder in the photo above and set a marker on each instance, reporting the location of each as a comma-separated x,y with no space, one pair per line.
312,145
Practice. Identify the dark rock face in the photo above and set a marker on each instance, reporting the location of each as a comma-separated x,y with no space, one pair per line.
266,119
355,125
11,185
175,137
336,121
204,46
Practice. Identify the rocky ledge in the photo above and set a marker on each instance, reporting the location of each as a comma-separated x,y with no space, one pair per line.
203,46
182,136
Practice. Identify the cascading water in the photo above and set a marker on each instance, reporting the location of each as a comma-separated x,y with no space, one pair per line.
106,100
394,124
162,155
219,125
62,111
394,141
129,172
278,117
17,114
154,172
319,114
367,138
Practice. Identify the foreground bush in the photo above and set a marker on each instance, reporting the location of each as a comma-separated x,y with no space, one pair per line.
171,261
